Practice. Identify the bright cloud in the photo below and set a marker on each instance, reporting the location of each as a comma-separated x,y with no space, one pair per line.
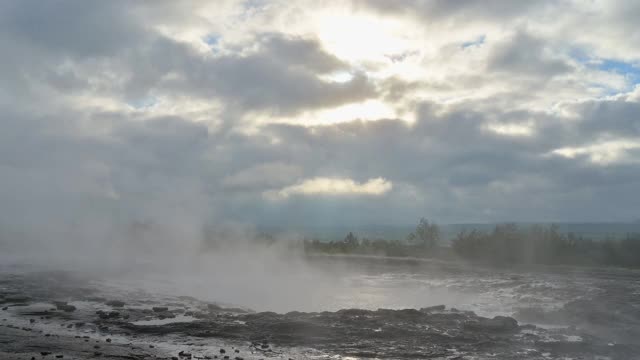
603,153
511,129
325,186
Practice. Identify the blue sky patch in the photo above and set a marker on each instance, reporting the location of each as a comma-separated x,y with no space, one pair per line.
211,39
620,67
630,70
477,42
251,4
143,103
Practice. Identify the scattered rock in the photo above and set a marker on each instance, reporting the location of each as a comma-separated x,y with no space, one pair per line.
160,309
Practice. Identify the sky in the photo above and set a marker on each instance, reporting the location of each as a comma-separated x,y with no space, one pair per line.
289,113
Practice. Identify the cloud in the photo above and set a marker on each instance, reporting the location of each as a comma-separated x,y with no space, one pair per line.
469,10
71,28
603,153
262,175
524,54
511,129
334,187
181,114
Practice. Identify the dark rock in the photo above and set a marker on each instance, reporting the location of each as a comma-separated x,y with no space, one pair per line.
66,308
108,315
17,299
497,324
433,308
115,303
160,309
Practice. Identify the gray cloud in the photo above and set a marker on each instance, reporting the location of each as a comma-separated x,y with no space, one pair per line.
467,9
524,54
71,28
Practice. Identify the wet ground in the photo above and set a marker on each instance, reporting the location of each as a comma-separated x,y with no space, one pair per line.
385,309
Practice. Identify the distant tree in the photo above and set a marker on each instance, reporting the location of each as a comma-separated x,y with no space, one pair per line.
470,244
350,239
426,235
365,242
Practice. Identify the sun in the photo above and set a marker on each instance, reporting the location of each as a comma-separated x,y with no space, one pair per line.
360,38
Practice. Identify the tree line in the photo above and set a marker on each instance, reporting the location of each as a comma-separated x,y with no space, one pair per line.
506,244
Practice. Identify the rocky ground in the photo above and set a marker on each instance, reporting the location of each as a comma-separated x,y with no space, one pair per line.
59,316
